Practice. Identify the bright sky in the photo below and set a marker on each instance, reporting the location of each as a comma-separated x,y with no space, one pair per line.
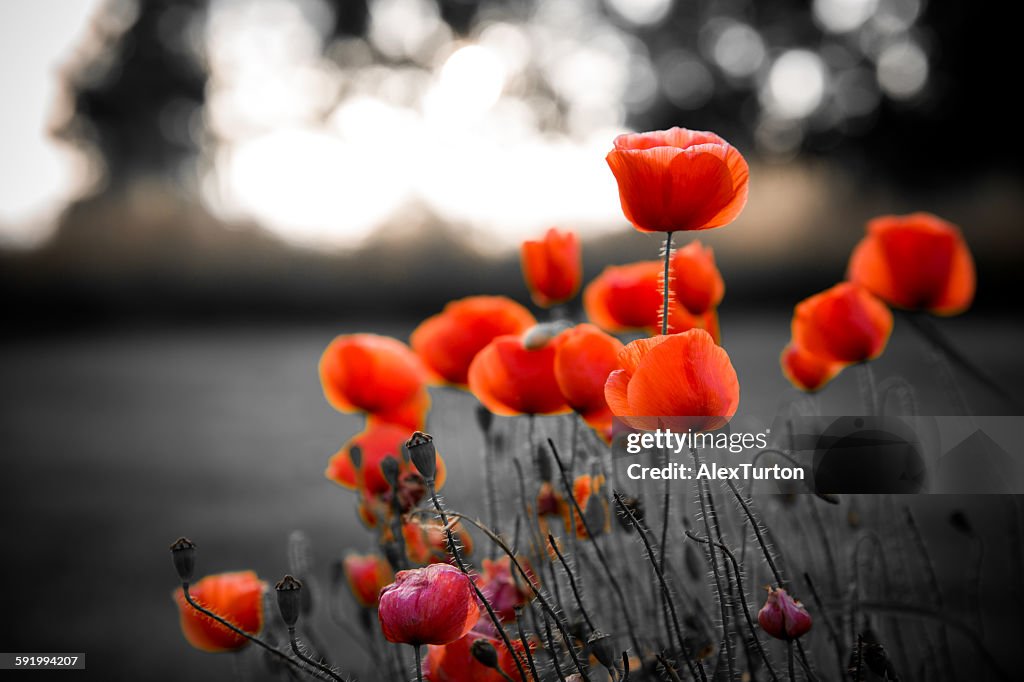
37,174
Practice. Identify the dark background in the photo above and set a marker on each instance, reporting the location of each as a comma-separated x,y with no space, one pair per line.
158,362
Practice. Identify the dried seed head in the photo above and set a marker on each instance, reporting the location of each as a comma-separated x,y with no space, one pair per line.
423,454
389,467
355,454
183,551
485,653
289,599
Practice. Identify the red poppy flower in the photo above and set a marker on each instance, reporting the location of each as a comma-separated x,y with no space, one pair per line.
806,371
696,281
235,597
454,662
370,373
918,261
629,298
504,586
427,543
509,379
431,605
584,358
379,441
367,574
448,341
678,179
685,379
783,617
842,324
552,268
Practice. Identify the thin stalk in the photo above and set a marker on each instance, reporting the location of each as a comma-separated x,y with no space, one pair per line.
866,381
743,598
757,533
730,654
789,661
238,631
526,646
666,283
316,664
552,648
453,549
666,593
829,625
669,670
419,664
804,663
572,583
612,580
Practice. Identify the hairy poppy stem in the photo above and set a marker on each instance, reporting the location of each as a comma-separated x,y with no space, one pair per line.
526,647
551,648
743,598
612,580
453,548
789,660
238,631
298,653
713,555
419,663
572,583
758,533
829,625
666,594
665,283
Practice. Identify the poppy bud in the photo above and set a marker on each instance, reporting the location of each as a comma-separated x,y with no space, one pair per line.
355,455
782,616
601,646
423,454
485,653
289,599
431,605
389,467
183,551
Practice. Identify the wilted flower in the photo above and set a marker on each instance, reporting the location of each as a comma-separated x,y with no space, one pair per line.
504,586
510,379
377,375
678,179
448,341
367,574
807,371
583,361
683,379
783,617
917,261
842,324
552,267
696,281
235,597
432,605
629,298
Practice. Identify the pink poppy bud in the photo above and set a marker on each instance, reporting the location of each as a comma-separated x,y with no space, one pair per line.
782,616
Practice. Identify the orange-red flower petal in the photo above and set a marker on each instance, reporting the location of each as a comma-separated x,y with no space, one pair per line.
509,379
552,267
367,574
454,662
696,281
684,379
918,262
585,357
448,341
679,179
369,373
843,324
806,371
235,597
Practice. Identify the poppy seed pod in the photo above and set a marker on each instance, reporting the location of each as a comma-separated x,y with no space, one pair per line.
484,652
601,646
183,552
423,454
289,599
